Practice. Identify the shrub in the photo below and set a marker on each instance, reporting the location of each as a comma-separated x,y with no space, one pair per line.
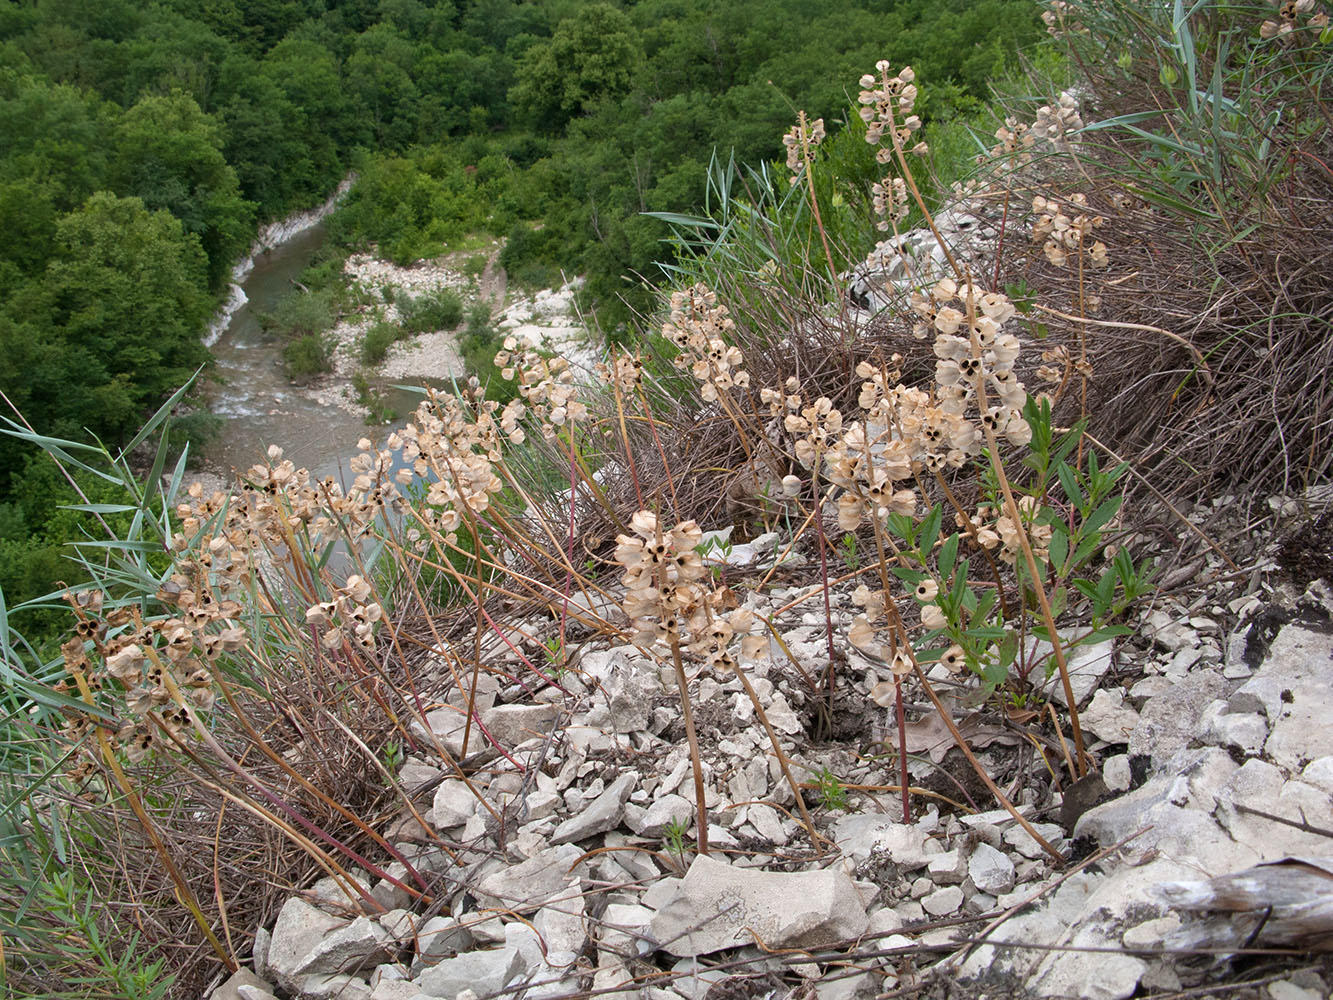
531,254
375,345
1201,136
378,411
326,268
306,357
441,310
478,345
301,313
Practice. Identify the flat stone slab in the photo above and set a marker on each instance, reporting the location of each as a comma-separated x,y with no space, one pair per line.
1294,688
717,906
231,989
512,724
524,887
483,972
298,931
601,814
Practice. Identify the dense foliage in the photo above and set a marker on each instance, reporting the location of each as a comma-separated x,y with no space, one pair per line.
144,141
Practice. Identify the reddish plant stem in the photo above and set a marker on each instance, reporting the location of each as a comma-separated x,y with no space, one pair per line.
569,549
902,747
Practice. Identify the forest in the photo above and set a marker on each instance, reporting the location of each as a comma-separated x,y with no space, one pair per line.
145,142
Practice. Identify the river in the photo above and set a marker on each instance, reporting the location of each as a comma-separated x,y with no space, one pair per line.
251,393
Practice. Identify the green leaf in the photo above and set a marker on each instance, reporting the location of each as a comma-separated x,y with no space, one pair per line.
1059,601
1155,196
1101,516
1086,548
1069,441
1185,49
995,674
1121,120
911,577
968,602
1106,590
1124,566
1059,549
689,221
1108,632
160,416
985,604
121,545
903,528
948,553
1085,587
1069,482
177,477
930,529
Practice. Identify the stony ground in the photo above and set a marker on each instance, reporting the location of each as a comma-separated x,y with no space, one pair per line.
577,874
547,317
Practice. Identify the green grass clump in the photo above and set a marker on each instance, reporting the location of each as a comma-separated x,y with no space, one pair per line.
442,310
377,341
301,313
478,345
306,357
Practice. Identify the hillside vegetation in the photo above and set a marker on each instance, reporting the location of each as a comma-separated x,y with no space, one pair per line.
144,141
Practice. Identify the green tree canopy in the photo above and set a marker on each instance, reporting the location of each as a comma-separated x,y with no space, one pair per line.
169,154
125,302
593,55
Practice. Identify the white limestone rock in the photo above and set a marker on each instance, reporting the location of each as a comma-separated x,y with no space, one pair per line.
358,945
1294,689
990,870
1108,717
604,813
324,986
297,932
943,902
947,868
442,937
512,724
454,805
446,725
483,972
719,906
231,988
524,887
661,813
859,836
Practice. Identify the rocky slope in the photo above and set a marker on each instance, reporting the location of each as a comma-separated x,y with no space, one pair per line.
576,874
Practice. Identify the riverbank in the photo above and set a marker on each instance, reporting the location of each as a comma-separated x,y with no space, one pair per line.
548,318
318,422
430,356
270,237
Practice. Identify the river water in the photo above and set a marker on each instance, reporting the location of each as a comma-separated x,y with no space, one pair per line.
252,395
258,405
